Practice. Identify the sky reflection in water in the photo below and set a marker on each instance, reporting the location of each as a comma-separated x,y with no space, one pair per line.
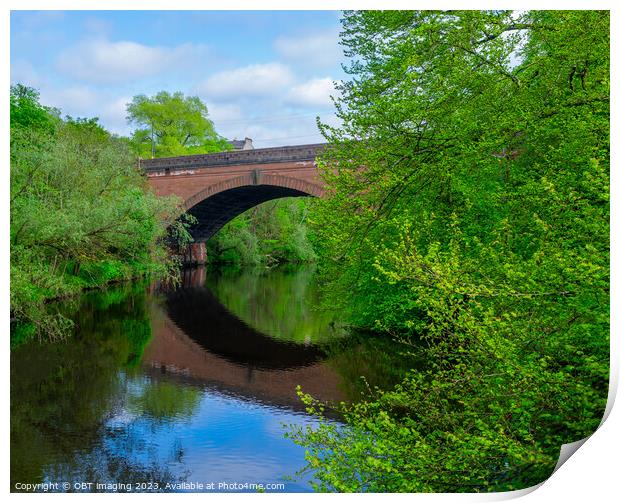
175,387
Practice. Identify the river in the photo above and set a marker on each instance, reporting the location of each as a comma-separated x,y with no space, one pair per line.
187,388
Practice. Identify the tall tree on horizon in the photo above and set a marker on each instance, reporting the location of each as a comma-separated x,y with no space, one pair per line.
172,124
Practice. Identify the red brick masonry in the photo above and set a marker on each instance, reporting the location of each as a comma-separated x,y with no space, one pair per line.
197,177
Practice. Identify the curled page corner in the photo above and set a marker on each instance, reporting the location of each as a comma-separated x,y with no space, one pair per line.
519,493
567,450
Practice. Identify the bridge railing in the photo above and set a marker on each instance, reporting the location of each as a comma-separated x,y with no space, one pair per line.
255,156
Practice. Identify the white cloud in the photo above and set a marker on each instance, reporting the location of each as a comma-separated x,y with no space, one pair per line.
73,100
83,101
23,72
224,112
292,130
313,93
314,49
251,81
112,114
102,61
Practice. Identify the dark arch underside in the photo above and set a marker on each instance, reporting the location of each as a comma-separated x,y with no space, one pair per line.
198,313
216,211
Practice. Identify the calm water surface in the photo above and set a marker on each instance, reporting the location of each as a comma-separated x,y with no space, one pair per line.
185,386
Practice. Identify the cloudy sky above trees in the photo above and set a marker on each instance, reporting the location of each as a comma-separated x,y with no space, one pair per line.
265,75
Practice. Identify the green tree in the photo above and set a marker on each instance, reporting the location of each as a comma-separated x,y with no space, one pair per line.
468,207
270,233
27,112
172,124
81,215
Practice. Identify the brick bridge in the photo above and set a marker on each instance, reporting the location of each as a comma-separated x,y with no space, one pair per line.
215,188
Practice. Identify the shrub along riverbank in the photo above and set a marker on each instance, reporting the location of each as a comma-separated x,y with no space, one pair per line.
80,215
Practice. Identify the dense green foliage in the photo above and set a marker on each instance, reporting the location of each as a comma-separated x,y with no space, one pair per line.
468,210
171,125
80,214
271,233
27,112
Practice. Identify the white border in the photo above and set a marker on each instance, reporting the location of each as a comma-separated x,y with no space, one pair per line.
590,474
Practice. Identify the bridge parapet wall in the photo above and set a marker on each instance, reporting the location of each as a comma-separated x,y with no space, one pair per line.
256,156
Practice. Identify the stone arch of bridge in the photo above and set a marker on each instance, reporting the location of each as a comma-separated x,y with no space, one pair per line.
216,205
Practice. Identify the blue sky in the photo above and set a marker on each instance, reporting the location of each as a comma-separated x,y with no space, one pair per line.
262,74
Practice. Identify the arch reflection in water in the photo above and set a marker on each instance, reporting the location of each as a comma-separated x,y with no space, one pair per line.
199,340
132,397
